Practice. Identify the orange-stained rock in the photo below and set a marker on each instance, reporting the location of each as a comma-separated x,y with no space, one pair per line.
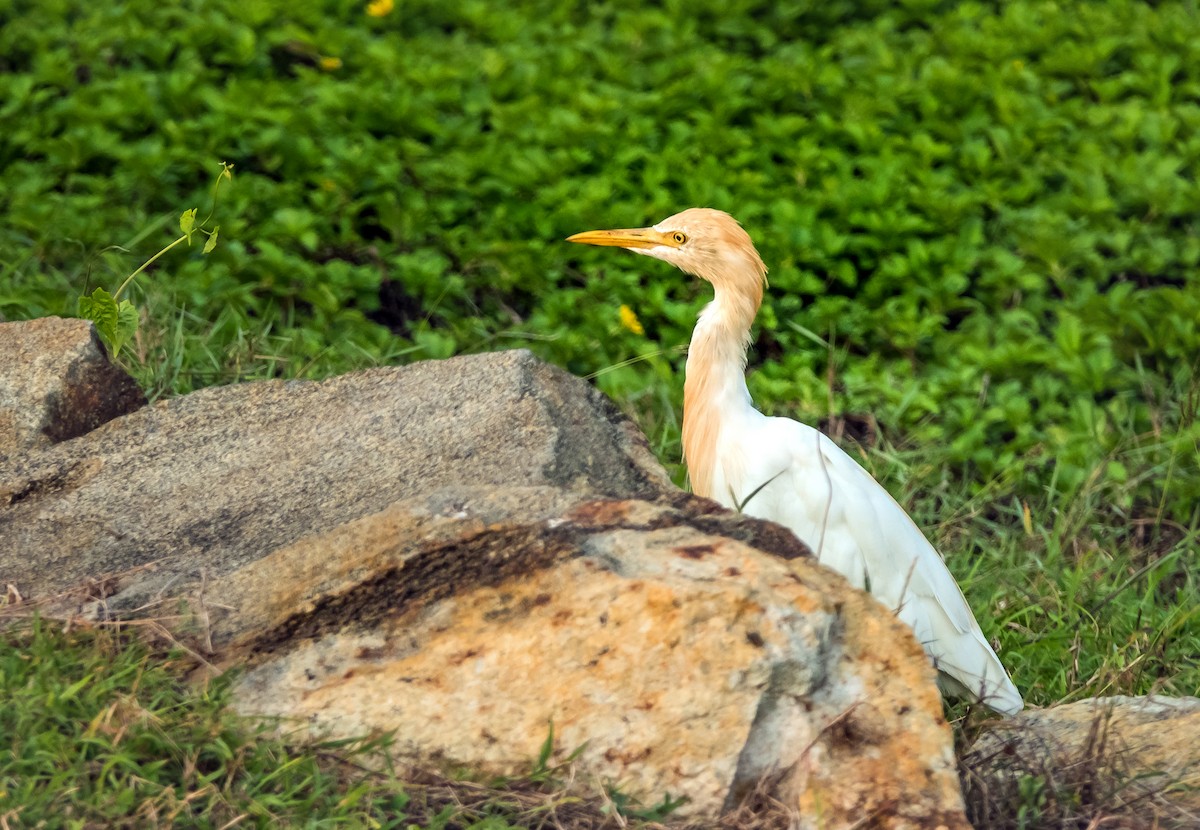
679,656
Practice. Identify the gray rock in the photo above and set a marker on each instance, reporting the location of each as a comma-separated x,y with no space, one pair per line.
56,382
1116,761
221,476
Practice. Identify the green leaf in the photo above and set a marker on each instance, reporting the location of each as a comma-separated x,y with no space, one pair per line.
101,309
187,223
212,239
75,688
127,325
542,764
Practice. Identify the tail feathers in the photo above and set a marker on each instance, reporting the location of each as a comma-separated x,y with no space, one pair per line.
968,668
966,664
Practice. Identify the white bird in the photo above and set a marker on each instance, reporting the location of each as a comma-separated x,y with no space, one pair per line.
785,471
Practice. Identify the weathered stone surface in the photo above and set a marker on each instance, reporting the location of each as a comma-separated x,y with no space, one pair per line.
1133,761
466,551
56,382
220,477
666,641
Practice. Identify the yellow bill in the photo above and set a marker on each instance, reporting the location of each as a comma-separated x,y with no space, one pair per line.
625,238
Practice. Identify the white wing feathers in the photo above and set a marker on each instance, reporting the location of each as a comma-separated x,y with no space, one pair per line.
855,527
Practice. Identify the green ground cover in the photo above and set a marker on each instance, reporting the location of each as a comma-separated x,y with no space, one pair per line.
99,731
982,222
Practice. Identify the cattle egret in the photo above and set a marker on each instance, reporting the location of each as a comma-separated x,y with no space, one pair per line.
785,471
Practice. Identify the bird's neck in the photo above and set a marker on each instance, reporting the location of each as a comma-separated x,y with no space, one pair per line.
714,389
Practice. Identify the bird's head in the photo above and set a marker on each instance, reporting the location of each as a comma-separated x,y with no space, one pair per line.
707,243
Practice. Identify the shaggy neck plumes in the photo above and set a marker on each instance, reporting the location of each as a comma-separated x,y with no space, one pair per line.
715,384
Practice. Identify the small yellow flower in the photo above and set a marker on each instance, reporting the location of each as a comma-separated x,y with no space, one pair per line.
379,8
329,63
630,321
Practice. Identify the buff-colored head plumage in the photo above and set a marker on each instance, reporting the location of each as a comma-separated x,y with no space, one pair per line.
702,241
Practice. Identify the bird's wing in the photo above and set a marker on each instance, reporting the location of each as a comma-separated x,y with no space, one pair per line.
864,532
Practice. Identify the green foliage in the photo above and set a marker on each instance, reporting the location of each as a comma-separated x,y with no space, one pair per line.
98,731
117,322
629,807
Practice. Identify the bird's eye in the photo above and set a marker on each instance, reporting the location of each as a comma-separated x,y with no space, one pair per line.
680,237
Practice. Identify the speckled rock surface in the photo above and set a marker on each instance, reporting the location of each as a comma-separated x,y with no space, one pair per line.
686,650
56,382
219,477
1137,757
